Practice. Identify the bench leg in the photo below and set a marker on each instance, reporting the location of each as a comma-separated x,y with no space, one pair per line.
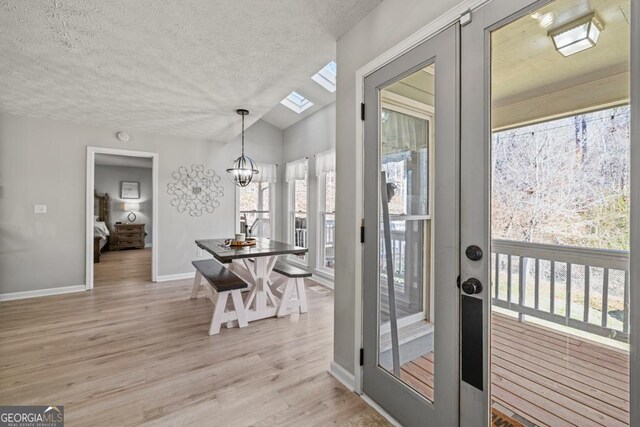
302,295
196,285
285,302
238,306
218,312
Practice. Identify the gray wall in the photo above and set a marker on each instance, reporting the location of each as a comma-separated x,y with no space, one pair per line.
312,135
382,29
43,161
107,180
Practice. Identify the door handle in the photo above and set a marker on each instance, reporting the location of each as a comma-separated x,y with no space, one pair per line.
472,286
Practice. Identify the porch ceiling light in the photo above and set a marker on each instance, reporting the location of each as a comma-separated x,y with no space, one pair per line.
577,35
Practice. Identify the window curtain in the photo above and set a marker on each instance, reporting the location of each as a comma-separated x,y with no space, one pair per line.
402,133
325,162
267,172
296,170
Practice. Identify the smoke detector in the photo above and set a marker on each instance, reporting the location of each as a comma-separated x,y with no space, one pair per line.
122,136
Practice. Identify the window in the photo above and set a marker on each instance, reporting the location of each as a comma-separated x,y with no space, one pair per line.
296,102
326,173
327,77
327,220
255,218
298,218
406,135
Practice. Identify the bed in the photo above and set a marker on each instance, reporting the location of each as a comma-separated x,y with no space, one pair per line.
102,213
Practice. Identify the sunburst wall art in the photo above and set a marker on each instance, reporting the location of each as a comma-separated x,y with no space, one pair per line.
196,190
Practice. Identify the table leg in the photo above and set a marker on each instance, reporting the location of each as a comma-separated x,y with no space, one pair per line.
261,302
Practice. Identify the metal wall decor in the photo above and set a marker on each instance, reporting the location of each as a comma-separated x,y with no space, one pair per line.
196,190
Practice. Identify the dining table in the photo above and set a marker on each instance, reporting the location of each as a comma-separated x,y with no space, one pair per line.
253,264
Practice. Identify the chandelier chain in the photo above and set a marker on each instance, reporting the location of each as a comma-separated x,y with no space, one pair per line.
243,135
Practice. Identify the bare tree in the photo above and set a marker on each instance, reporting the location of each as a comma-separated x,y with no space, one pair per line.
564,181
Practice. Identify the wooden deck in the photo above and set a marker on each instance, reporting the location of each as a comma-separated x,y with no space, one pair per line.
547,378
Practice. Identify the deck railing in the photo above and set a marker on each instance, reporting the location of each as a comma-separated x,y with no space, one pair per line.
582,288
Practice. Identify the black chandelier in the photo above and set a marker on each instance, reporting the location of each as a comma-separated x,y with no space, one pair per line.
243,167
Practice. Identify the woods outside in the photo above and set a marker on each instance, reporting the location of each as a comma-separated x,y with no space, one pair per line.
564,182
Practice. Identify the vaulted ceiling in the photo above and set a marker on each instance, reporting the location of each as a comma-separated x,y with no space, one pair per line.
171,67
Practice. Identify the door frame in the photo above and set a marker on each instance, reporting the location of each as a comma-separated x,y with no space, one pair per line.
89,219
634,268
459,14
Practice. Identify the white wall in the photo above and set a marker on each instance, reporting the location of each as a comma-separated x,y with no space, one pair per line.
108,179
43,161
312,135
388,24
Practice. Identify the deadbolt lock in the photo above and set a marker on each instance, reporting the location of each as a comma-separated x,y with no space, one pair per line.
474,253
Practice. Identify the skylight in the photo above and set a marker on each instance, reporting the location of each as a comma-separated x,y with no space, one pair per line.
327,77
296,102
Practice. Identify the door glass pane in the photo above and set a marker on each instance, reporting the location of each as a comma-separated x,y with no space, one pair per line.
560,216
406,326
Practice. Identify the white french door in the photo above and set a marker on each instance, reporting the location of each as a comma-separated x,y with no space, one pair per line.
410,251
546,148
510,169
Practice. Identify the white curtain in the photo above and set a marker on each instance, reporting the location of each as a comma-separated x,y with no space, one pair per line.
296,170
267,172
401,132
325,162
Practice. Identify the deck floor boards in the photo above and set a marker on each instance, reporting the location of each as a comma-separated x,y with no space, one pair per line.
547,377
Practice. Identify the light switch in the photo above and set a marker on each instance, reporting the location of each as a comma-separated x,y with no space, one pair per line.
39,209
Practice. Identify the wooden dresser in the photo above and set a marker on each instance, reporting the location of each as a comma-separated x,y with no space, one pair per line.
127,236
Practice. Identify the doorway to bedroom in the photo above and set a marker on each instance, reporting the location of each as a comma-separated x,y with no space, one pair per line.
121,217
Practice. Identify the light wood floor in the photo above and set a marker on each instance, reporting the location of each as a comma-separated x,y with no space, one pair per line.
127,354
128,266
546,377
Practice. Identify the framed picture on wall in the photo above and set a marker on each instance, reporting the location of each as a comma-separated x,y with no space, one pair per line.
129,190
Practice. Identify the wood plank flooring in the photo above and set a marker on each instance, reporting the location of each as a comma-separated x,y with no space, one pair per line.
127,266
546,377
131,354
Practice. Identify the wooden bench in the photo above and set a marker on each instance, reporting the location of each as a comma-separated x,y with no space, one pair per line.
222,282
294,284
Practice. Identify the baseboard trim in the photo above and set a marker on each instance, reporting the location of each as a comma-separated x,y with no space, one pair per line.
171,277
379,410
322,280
41,292
348,380
343,376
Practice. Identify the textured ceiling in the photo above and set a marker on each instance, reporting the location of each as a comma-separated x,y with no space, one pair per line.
283,117
171,67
